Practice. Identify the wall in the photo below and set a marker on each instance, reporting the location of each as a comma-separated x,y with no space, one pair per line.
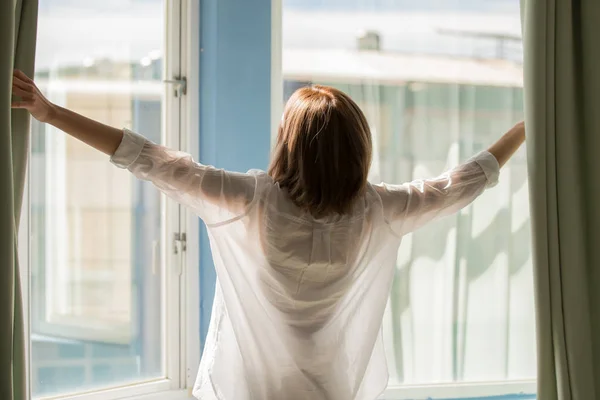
235,102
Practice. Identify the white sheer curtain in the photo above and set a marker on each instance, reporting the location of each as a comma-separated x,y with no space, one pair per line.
438,83
461,307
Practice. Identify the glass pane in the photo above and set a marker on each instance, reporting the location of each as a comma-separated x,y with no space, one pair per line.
438,80
95,231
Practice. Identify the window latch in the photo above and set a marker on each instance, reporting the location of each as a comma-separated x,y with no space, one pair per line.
179,85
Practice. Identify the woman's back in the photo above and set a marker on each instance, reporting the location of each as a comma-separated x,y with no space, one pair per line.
301,301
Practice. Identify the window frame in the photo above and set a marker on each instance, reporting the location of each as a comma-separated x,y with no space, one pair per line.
180,305
190,41
186,347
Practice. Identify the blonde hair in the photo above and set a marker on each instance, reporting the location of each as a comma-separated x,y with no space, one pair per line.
323,151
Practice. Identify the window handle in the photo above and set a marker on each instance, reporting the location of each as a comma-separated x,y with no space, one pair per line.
179,85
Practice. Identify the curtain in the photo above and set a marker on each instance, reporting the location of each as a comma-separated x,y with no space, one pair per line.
18,21
562,96
460,308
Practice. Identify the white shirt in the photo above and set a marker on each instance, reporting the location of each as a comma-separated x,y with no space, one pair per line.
299,301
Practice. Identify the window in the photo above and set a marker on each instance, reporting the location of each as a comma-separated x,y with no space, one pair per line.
106,283
438,81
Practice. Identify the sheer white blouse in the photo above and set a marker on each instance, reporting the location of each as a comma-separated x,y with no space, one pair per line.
299,301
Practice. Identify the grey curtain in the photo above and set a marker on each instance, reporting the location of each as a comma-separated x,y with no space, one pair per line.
18,22
562,108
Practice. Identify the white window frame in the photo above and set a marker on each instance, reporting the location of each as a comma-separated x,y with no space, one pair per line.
180,308
191,140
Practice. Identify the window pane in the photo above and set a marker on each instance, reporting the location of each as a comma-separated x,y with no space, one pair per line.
96,290
438,81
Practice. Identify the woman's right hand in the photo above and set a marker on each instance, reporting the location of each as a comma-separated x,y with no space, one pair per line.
508,144
32,98
101,137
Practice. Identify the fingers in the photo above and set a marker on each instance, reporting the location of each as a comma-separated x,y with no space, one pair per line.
25,94
22,81
22,84
23,87
22,76
20,104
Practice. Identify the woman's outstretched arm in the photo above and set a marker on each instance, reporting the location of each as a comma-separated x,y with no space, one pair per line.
101,137
409,206
216,195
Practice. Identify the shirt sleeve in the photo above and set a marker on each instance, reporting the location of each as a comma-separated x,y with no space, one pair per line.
215,195
409,206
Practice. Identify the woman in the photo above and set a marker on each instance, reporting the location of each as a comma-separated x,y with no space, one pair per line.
304,253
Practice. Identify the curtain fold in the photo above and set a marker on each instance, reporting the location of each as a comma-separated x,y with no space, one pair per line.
18,23
562,96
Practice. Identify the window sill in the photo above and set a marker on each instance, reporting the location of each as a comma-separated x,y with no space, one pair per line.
157,390
170,395
510,390
519,390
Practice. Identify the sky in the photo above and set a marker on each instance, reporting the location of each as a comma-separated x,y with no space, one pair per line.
76,31
405,5
498,6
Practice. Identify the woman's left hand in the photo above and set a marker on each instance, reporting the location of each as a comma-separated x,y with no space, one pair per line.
32,98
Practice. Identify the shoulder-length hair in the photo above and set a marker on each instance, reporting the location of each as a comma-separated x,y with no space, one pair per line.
323,151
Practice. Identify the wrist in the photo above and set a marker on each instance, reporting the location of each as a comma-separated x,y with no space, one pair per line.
53,113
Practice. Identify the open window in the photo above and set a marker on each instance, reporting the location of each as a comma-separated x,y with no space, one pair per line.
438,82
104,279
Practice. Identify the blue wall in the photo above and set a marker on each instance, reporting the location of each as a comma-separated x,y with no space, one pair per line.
235,102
